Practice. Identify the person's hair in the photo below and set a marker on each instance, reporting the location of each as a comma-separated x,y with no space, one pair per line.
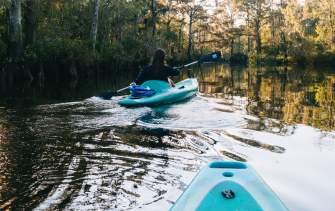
158,59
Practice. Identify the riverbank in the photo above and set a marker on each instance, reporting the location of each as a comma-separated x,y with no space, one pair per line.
321,59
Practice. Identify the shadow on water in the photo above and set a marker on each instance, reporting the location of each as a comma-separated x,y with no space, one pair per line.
63,149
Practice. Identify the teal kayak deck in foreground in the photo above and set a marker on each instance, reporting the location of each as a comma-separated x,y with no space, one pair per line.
228,186
165,94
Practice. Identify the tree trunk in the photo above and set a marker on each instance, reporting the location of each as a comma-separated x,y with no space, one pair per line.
248,26
73,72
272,20
258,27
15,30
153,20
2,80
30,30
190,34
180,37
332,26
284,42
31,22
95,22
258,38
239,44
153,11
28,77
232,43
41,75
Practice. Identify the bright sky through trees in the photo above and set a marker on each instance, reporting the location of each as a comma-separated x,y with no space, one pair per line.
211,4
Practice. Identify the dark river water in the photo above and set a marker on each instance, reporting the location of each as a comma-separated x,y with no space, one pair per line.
61,148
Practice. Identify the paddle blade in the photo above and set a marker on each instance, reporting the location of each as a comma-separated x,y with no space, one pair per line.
213,57
107,95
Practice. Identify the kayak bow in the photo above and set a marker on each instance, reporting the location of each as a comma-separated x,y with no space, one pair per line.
228,186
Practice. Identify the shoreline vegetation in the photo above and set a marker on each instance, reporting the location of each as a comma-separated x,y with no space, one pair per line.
61,39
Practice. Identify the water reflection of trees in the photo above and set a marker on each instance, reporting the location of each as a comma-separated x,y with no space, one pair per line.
287,94
62,90
32,160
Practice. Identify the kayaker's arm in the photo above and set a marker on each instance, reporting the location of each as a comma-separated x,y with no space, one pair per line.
179,68
173,71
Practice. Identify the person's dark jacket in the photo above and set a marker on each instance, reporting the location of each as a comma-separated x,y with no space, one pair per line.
148,74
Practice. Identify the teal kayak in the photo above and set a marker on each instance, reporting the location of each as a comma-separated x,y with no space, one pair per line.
228,186
164,93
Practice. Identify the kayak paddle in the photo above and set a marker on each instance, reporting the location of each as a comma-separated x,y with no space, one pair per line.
213,57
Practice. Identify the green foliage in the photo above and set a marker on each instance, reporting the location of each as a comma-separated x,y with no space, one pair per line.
129,50
271,50
111,53
170,36
288,31
3,30
61,50
267,32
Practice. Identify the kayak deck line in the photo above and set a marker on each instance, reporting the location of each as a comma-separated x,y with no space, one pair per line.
165,94
228,186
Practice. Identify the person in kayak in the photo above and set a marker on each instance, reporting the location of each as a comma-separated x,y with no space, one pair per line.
157,70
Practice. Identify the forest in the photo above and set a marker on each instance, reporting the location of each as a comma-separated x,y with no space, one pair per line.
76,36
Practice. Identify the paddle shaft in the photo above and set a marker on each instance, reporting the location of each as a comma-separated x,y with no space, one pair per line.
123,89
190,64
187,65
